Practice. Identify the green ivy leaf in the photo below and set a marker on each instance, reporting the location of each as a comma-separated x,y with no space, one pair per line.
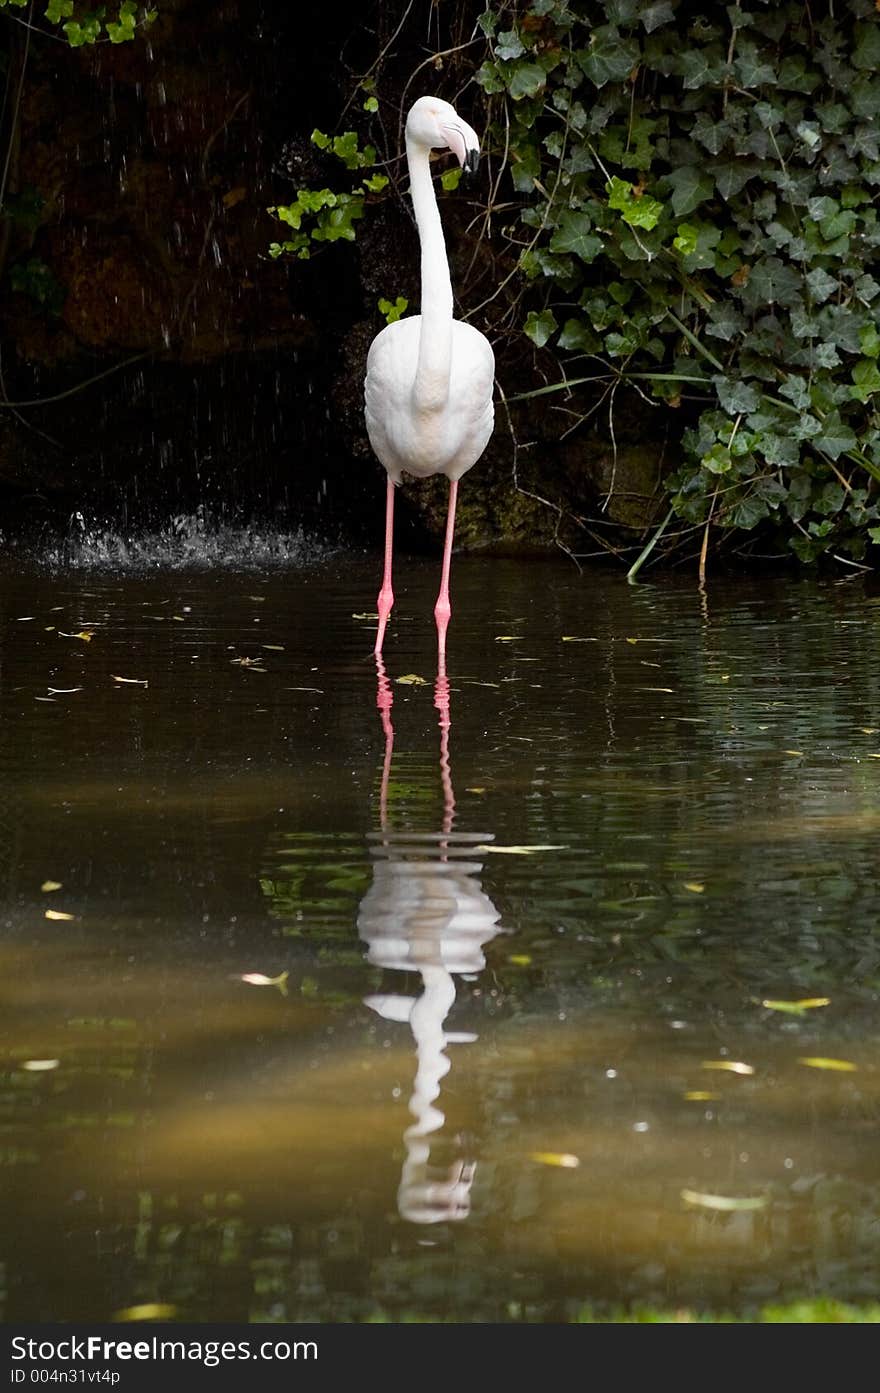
393,309
752,68
539,326
636,209
609,57
573,235
835,437
527,81
691,186
508,46
866,380
735,397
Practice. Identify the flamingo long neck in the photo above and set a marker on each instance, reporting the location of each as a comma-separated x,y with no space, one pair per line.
431,388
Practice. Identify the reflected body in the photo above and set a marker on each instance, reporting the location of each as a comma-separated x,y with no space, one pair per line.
429,383
426,912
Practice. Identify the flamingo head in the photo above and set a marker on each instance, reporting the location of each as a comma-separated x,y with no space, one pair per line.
437,125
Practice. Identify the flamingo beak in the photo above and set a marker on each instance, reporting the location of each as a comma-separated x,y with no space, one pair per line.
464,144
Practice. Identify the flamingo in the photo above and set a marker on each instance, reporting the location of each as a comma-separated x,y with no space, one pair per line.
428,390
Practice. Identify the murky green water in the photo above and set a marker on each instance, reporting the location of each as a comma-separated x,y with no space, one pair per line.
483,1086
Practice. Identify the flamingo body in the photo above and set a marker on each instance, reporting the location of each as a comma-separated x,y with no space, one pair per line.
447,438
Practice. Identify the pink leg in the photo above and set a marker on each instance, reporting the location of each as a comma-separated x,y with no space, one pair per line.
443,609
386,594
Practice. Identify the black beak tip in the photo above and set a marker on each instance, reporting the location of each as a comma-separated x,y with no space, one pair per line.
471,161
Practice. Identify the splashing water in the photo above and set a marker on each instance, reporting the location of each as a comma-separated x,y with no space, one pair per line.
190,541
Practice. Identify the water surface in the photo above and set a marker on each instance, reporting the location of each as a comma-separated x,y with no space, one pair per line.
519,916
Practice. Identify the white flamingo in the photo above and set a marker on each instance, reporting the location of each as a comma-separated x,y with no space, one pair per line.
429,383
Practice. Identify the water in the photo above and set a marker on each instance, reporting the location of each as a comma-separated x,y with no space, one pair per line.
518,921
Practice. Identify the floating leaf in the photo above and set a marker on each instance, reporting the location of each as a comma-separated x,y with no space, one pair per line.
793,752
519,850
843,1066
62,691
49,885
700,1095
57,914
797,1008
259,979
507,638
724,1203
85,634
412,679
728,1066
40,1066
573,638
130,681
273,647
695,886
520,959
366,615
150,1310
555,1158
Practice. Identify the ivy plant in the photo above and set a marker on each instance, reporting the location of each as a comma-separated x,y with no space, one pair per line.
86,24
698,191
325,215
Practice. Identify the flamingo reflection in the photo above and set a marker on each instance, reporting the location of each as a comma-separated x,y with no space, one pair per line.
426,912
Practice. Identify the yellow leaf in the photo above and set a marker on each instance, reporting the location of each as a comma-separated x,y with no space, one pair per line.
700,1095
475,790
573,638
412,679
507,638
40,1066
50,885
724,1203
555,1158
85,634
843,1066
728,1066
518,850
869,730
792,752
797,1008
695,886
57,914
150,1310
519,959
